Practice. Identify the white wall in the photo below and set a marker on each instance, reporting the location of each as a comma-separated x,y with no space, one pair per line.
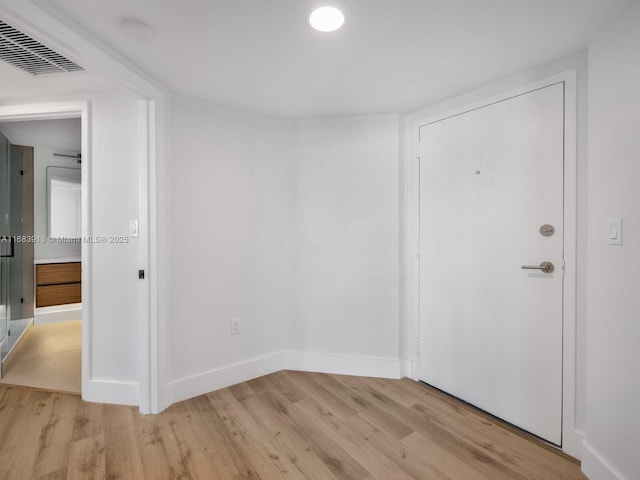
612,447
292,227
47,137
231,238
347,237
114,276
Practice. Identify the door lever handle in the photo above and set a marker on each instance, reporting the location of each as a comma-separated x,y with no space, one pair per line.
546,267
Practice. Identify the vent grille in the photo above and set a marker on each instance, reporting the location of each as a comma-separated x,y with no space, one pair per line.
31,56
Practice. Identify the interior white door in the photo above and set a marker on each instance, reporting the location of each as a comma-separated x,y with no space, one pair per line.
491,332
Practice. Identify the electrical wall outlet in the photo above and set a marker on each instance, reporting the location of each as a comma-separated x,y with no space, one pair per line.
235,326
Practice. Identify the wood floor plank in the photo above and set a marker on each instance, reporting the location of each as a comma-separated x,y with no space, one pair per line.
284,460
482,439
121,447
417,464
211,431
376,462
286,387
466,448
509,443
313,389
202,456
25,438
372,411
241,391
88,420
86,459
55,437
9,403
59,475
265,458
162,453
343,465
447,463
284,426
286,440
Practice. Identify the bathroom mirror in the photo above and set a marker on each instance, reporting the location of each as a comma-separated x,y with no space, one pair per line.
64,196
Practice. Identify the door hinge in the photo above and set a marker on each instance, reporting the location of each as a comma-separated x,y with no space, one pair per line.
417,346
417,248
419,150
563,267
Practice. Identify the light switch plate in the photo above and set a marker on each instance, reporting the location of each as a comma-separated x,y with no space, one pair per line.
235,326
615,231
133,228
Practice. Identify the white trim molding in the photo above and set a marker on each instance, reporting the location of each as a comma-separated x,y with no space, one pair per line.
343,364
411,213
579,438
57,314
596,467
226,376
147,369
233,374
110,391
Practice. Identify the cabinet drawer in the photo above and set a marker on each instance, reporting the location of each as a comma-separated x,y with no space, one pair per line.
57,273
49,295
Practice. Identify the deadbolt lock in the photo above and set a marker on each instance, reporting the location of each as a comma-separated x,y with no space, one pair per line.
547,230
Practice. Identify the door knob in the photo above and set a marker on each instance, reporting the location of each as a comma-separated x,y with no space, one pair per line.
546,267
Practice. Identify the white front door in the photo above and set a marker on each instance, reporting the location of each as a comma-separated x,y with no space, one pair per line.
490,331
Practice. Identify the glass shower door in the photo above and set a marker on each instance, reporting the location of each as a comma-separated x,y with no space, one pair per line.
6,241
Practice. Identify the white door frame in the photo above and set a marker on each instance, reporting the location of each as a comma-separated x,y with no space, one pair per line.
53,111
411,246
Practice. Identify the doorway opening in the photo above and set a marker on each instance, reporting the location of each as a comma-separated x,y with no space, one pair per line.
44,217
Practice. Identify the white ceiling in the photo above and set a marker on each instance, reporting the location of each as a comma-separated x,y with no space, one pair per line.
390,56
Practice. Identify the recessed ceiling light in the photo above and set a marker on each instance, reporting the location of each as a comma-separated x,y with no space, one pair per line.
326,19
136,29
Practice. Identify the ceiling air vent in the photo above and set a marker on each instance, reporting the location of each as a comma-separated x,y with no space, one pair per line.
31,56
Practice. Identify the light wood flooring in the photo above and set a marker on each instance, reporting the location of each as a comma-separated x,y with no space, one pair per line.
288,425
49,357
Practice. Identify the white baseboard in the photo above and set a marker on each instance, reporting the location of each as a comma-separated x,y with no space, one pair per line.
596,467
222,377
226,376
11,342
344,364
575,449
108,391
59,313
407,367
